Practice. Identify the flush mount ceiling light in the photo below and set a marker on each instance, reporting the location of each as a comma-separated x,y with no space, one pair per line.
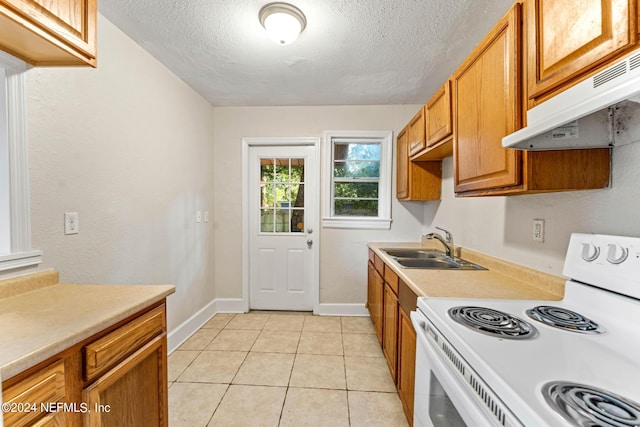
283,22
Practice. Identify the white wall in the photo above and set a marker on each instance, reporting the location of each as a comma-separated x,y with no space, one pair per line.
129,147
343,253
502,226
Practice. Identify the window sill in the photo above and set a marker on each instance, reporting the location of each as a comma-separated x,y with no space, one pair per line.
357,223
19,260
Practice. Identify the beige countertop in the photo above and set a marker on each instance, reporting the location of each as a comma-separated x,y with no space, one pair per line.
40,317
501,280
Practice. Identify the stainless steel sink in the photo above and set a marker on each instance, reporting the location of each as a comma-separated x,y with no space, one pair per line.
414,253
431,259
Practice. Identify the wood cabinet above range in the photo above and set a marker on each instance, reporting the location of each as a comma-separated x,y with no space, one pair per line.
488,105
51,32
568,38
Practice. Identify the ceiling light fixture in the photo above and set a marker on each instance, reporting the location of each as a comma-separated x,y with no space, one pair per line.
283,22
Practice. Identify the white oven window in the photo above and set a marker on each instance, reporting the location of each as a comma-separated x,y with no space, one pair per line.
442,411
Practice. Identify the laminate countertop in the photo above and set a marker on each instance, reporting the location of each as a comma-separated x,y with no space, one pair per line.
501,280
40,317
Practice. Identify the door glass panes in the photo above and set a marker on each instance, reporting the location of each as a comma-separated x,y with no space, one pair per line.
282,195
356,176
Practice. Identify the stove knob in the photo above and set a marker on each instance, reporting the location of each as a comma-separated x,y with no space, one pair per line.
590,252
617,254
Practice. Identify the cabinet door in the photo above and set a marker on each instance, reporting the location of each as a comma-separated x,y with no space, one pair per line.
134,390
46,386
406,363
438,115
486,108
390,329
50,32
402,166
417,140
566,38
375,307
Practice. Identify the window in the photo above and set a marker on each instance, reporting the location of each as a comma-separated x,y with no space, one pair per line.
281,195
15,228
357,193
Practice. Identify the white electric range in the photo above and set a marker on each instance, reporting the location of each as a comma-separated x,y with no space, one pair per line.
515,370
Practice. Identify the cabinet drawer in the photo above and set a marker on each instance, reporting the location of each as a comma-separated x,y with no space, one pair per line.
102,354
391,278
371,256
46,385
379,264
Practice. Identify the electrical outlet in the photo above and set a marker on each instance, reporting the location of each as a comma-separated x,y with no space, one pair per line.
71,223
538,230
198,216
206,216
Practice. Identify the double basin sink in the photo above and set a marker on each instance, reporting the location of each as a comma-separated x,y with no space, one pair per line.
431,259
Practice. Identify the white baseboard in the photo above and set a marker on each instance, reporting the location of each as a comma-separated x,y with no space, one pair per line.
342,310
182,333
179,335
230,305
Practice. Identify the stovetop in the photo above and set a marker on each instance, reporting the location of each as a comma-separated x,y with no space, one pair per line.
600,353
517,370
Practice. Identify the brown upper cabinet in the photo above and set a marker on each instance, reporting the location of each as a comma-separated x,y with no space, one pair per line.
420,180
568,38
438,115
416,132
487,106
402,165
438,126
51,32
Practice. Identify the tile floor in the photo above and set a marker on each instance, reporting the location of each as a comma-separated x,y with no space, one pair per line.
282,369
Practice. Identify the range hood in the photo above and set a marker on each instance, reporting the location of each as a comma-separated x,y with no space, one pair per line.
601,111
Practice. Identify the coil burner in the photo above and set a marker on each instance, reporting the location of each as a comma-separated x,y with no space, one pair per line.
493,322
562,318
583,405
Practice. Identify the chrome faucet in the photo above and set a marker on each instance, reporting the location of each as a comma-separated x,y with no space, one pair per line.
447,241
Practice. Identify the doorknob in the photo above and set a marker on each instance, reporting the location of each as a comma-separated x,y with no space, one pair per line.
309,243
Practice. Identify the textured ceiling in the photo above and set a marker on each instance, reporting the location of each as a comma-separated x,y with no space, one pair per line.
353,52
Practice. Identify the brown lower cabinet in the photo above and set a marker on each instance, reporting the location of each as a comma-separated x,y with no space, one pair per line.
390,301
118,374
406,363
375,294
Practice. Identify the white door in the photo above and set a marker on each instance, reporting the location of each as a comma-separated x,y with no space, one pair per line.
283,195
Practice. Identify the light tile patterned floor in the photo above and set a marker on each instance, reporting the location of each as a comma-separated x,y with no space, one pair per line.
282,369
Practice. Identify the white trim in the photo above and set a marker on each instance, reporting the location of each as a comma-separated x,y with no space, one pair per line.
383,220
361,223
343,310
184,331
21,253
274,141
20,260
230,305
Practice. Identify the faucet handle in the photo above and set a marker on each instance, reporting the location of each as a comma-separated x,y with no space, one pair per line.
447,235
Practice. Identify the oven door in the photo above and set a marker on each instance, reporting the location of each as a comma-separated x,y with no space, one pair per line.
440,399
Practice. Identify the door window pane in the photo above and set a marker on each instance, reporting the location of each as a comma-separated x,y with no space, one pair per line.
282,188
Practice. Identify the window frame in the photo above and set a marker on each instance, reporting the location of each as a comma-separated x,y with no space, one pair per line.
21,255
383,220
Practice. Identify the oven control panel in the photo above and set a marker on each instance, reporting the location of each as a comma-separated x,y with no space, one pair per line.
605,261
